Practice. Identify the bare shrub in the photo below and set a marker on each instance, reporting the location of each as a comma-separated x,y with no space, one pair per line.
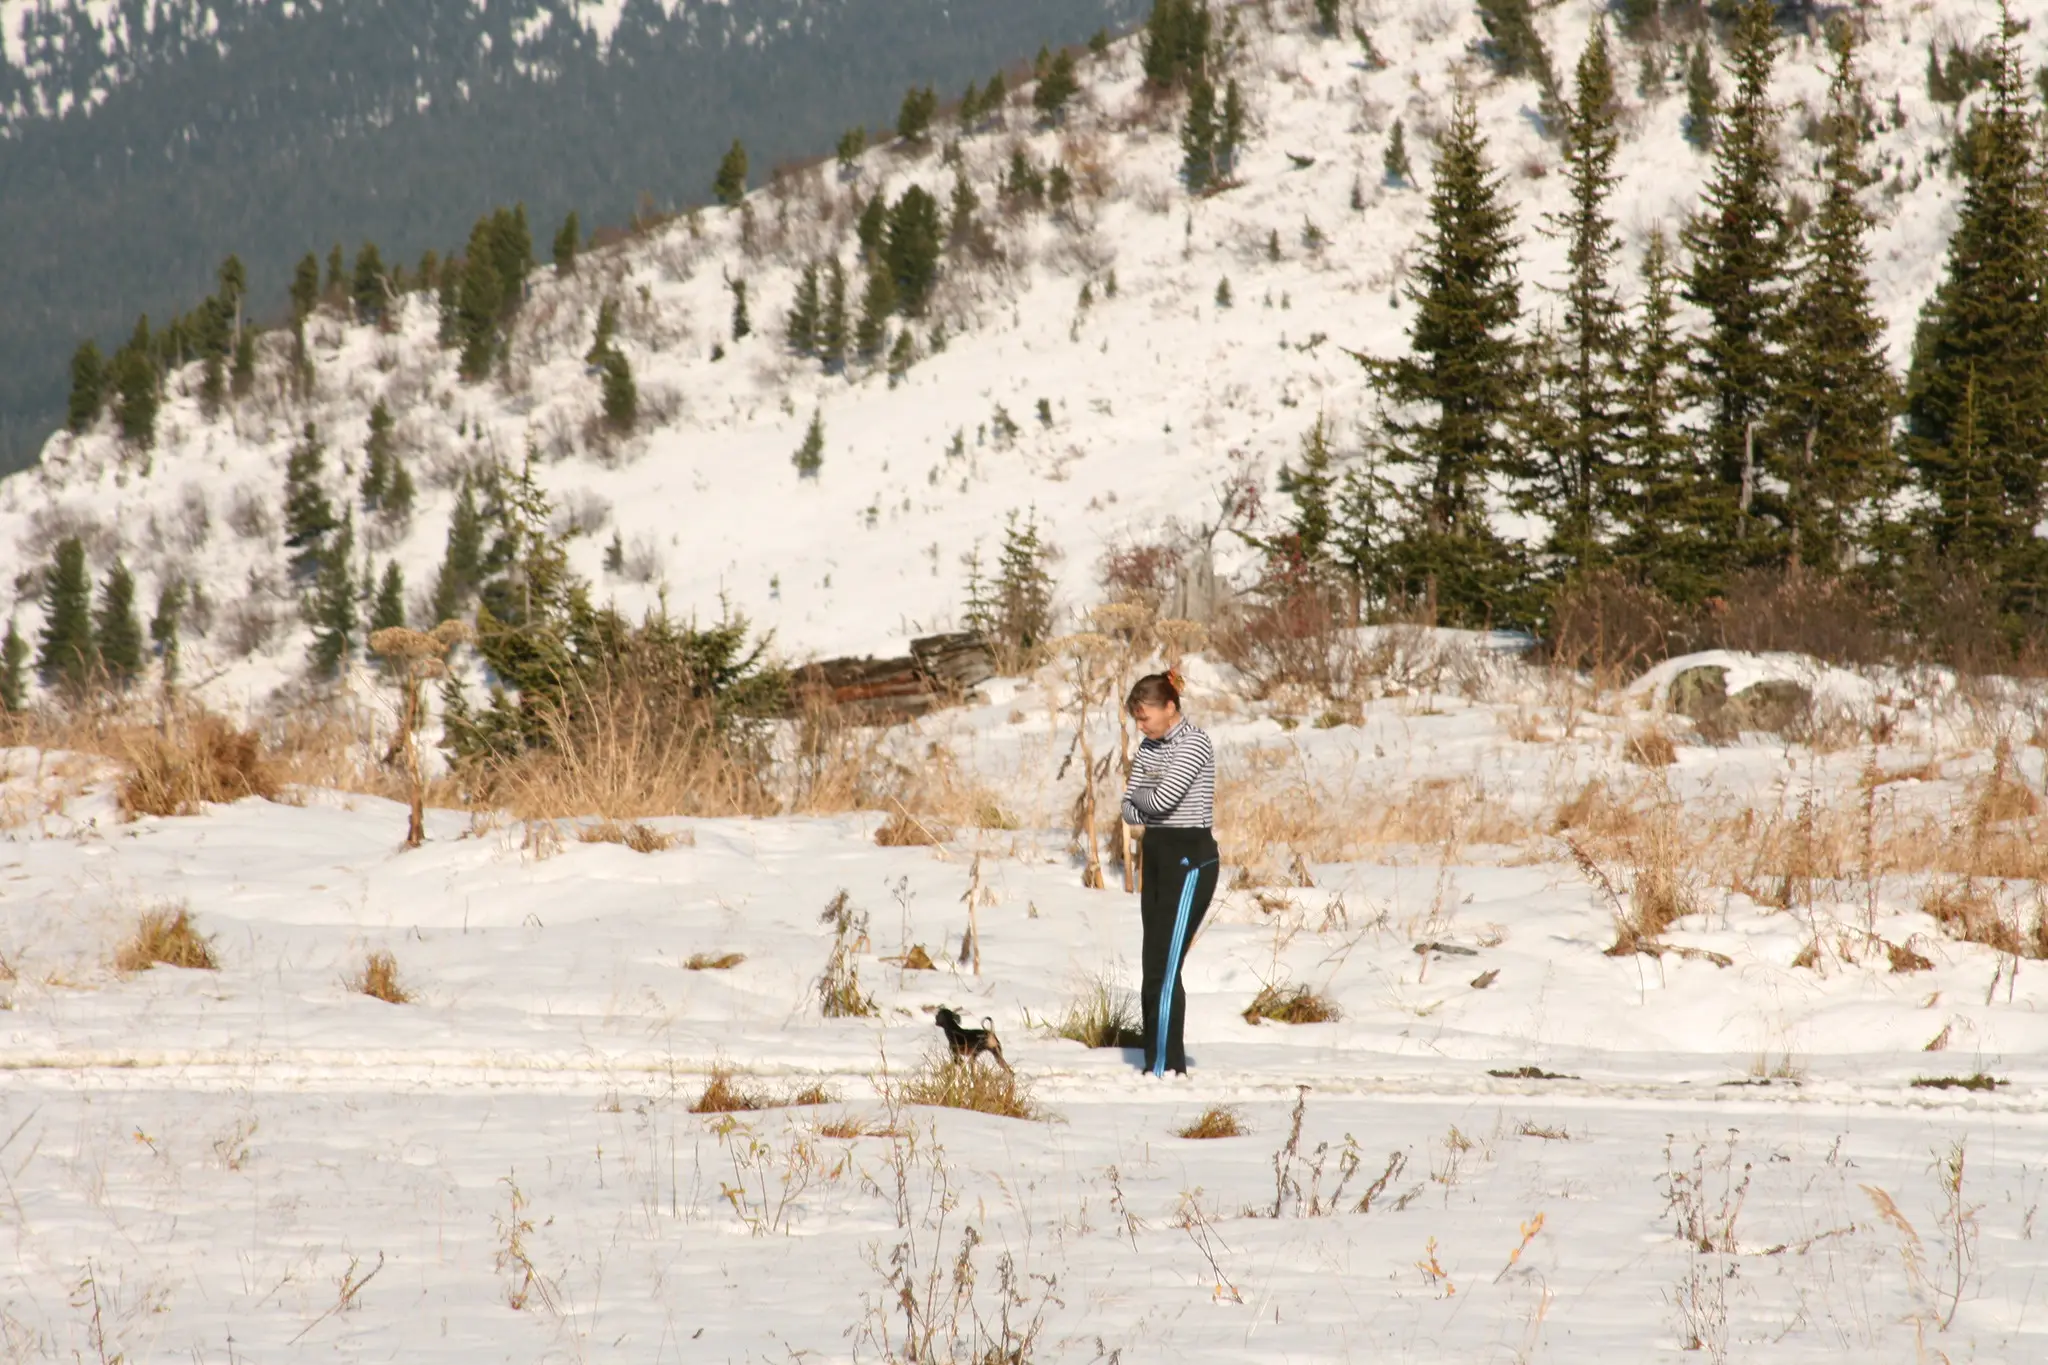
250,514
714,962
191,760
1612,628
1297,635
165,935
1827,617
839,992
252,624
1969,911
1291,1005
1215,1122
378,978
1650,748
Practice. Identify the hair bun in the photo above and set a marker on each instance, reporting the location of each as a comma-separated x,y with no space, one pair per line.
1179,683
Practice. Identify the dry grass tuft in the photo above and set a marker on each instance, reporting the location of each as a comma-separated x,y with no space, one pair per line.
1970,912
1103,1015
1905,959
1978,1081
713,962
948,1084
817,1092
1215,1122
854,1126
916,959
725,1095
1291,1005
165,935
641,838
379,978
904,830
177,768
1651,748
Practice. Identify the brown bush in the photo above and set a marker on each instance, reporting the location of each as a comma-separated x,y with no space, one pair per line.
378,978
1300,634
1215,1122
1611,627
190,761
1291,1005
724,1095
1970,912
1799,611
1651,748
165,935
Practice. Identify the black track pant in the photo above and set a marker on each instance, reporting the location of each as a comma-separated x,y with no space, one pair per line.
1180,877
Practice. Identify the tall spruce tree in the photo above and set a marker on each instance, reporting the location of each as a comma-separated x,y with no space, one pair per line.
135,381
1839,395
1568,474
88,386
1977,393
800,326
911,252
1702,98
370,287
462,561
567,242
388,609
378,459
729,186
621,395
1449,405
1740,262
877,303
163,624
332,611
832,324
115,630
68,659
810,456
13,669
1175,47
1663,506
1056,87
309,518
1198,135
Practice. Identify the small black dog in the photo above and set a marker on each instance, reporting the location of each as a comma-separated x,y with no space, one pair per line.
969,1043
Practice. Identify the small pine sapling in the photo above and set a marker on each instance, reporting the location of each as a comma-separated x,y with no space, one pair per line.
163,626
729,186
810,456
1399,173
116,630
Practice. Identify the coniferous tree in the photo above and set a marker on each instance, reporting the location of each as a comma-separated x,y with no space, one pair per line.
1977,392
479,300
995,97
1328,21
621,394
832,325
914,115
1198,136
1512,43
388,609
1839,395
1740,252
309,518
1230,129
378,459
729,186
1175,47
13,669
1399,172
370,289
607,331
135,380
810,456
911,252
800,326
1702,97
1638,19
68,658
1567,477
462,561
960,223
115,630
1450,403
1056,87
334,276
742,324
566,243
305,289
615,554
1664,516
852,143
877,302
902,356
871,228
88,386
163,625
1311,486
332,611
242,371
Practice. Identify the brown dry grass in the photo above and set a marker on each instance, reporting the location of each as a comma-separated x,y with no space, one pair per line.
1291,1005
189,761
1215,1122
641,838
904,830
1104,1014
165,935
1651,748
714,962
378,978
948,1084
854,1126
729,1093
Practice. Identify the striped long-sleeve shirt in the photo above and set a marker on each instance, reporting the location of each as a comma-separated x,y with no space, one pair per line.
1173,781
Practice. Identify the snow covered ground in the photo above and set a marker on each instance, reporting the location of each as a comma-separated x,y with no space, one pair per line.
256,1162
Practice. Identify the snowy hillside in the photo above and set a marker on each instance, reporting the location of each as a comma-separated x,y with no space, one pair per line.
1156,395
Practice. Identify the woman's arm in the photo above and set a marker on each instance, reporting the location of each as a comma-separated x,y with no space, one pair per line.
1157,799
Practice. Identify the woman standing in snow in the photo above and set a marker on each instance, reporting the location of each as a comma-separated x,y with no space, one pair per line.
1172,793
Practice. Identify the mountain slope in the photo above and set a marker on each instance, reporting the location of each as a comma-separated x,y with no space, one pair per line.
1157,396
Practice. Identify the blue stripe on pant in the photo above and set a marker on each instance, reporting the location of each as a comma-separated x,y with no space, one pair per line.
1180,878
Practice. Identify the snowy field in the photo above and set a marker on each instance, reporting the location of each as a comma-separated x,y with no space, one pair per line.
258,1163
